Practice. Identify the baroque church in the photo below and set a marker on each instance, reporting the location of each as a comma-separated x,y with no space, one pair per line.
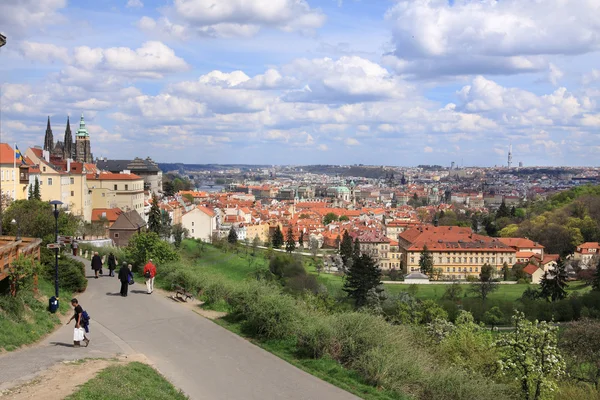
80,150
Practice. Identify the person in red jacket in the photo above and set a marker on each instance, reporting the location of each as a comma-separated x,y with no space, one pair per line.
149,274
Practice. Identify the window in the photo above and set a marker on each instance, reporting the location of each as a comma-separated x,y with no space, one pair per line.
115,187
49,181
192,223
192,231
126,187
103,194
116,235
72,181
44,169
72,193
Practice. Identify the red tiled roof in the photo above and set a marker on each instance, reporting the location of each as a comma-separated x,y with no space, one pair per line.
451,238
7,154
206,211
530,269
521,243
111,214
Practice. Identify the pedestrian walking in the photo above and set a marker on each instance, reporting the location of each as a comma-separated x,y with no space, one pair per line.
75,246
149,274
124,274
97,264
112,264
82,322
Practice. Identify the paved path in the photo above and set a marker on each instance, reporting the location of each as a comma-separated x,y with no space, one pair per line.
203,359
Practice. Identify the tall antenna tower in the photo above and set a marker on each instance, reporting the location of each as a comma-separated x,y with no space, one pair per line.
509,156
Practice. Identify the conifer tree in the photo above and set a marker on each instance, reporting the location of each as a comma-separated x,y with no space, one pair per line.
36,190
426,261
277,238
154,217
301,239
290,242
503,210
363,276
553,284
232,238
30,192
346,248
356,253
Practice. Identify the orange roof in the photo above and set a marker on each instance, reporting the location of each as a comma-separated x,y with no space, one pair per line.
550,257
450,238
527,254
519,243
206,211
530,269
7,154
112,177
111,214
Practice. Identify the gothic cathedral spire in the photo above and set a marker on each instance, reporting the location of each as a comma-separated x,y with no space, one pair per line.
68,143
49,138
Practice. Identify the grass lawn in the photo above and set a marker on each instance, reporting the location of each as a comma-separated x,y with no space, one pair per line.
325,368
228,264
25,320
133,381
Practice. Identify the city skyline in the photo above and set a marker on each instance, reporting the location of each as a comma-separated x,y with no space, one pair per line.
308,82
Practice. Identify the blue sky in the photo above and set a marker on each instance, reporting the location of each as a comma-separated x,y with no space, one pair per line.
402,82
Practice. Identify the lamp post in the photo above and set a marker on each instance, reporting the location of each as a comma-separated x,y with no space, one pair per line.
15,222
56,203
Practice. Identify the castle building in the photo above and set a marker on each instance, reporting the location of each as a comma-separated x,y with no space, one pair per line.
79,151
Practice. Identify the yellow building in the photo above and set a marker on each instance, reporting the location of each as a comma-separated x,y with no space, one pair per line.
14,177
260,229
110,190
457,251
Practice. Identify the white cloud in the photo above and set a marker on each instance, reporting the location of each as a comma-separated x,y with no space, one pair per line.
234,18
17,17
44,52
554,74
322,147
351,142
434,37
134,4
428,149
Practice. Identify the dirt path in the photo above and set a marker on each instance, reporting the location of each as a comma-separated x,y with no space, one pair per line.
63,379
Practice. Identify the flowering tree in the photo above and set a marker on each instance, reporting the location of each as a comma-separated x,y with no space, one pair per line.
530,354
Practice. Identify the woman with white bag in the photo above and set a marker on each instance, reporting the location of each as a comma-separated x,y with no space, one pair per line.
81,324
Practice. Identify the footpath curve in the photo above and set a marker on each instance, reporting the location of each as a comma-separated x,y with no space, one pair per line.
198,356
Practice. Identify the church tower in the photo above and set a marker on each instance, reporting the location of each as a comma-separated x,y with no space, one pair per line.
83,151
68,143
49,138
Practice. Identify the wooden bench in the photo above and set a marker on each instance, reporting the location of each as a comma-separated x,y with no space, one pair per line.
181,293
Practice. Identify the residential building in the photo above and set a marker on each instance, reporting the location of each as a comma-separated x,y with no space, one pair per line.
147,169
534,272
14,179
200,222
525,247
588,254
106,216
375,245
260,230
126,225
456,250
128,190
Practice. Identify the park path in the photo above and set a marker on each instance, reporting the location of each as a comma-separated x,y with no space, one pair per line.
198,356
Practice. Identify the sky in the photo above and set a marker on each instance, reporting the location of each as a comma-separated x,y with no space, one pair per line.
378,82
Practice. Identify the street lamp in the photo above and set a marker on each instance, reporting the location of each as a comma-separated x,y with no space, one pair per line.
14,222
56,203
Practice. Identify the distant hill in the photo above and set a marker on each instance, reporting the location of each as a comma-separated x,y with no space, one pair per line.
168,167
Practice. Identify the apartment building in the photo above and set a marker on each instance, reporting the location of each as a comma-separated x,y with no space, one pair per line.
456,250
587,253
124,191
14,177
200,223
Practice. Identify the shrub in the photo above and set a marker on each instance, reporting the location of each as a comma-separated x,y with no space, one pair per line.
71,273
272,315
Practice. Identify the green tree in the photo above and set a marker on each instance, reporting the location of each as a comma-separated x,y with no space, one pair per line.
356,253
426,261
362,276
179,233
530,355
168,189
346,248
36,219
255,244
290,242
453,292
154,216
493,316
232,238
37,195
344,218
301,239
20,272
277,238
148,245
165,225
30,193
505,271
503,211
553,284
487,272
596,281
329,218
580,343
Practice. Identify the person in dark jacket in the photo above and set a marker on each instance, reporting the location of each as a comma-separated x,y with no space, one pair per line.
96,264
124,278
112,264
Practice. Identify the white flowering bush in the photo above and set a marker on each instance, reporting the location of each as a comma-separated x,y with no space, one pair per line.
530,354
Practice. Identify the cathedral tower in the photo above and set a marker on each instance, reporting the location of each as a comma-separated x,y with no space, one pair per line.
83,151
68,143
49,138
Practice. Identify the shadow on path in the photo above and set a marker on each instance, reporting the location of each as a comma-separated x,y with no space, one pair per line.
138,291
113,294
62,344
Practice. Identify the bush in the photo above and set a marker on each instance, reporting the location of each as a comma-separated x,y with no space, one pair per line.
71,273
